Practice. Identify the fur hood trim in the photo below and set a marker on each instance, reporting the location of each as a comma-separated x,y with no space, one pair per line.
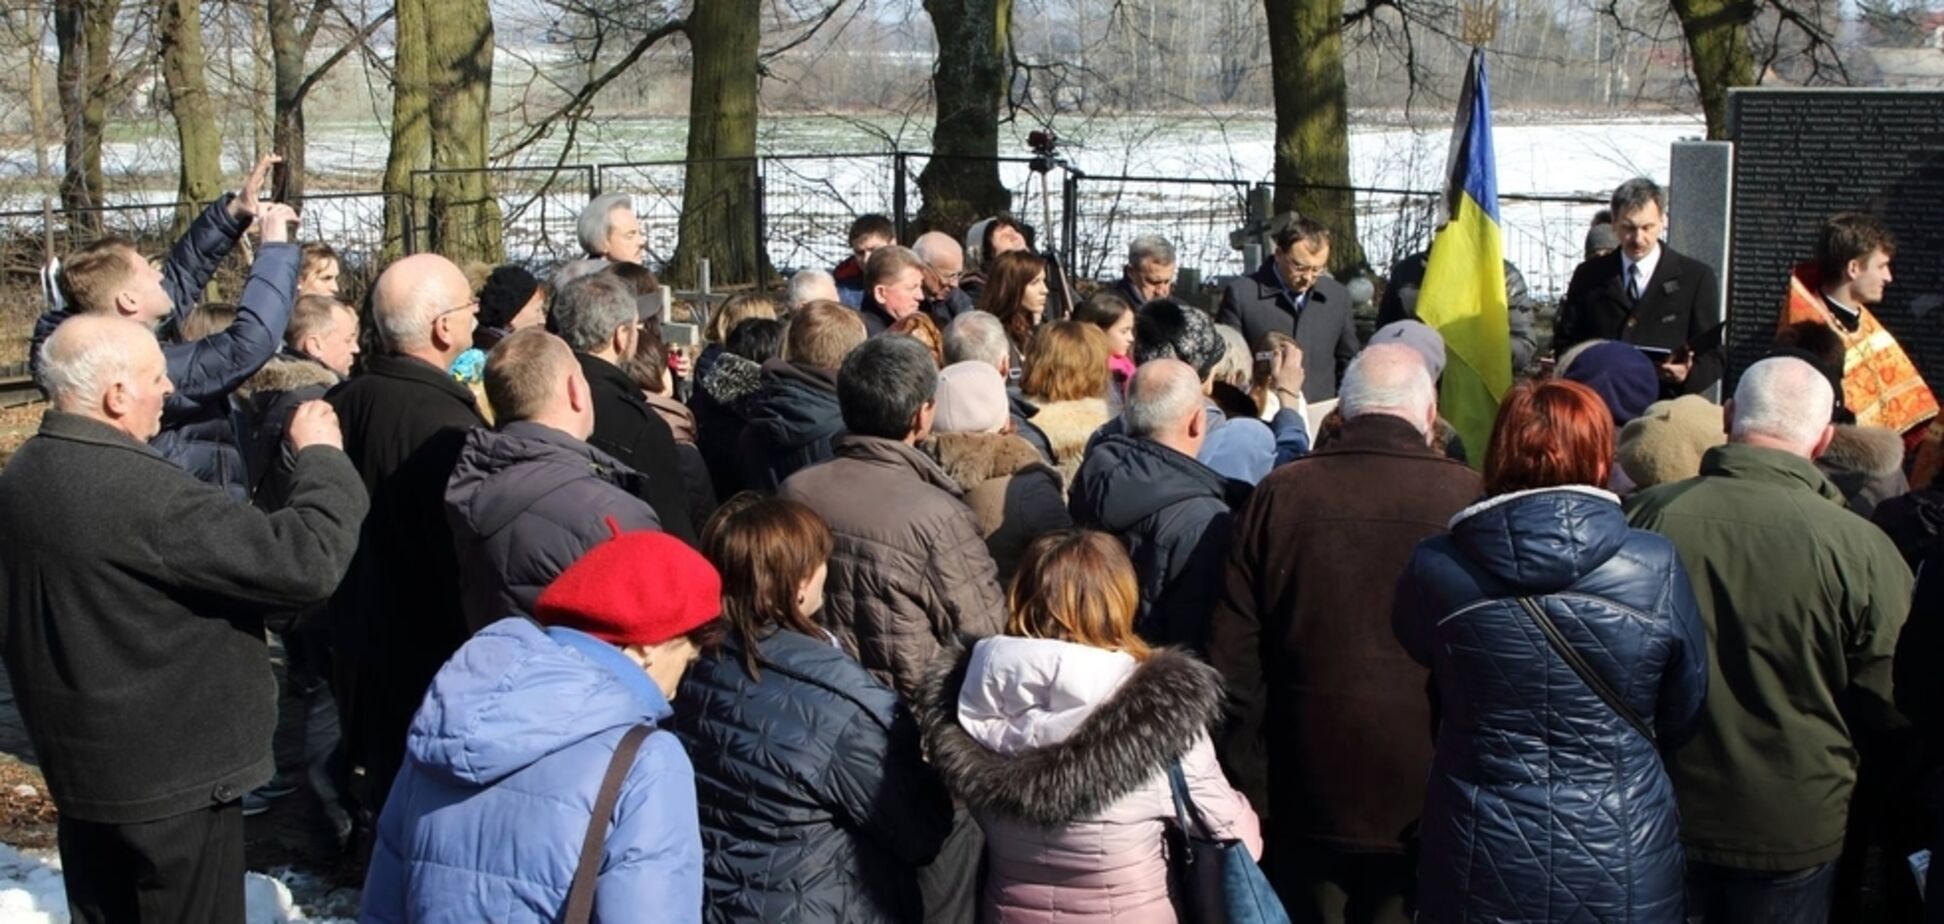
973,459
732,379
1876,451
1154,718
1069,424
287,373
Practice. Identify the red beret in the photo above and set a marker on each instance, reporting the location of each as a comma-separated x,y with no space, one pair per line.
640,588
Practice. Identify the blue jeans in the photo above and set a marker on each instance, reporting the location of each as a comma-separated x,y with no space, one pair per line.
1725,895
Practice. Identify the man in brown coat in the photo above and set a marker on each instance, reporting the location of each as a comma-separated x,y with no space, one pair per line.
909,568
1330,731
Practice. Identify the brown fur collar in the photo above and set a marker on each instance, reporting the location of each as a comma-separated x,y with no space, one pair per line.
975,458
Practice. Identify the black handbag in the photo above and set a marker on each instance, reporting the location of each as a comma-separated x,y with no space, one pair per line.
1215,881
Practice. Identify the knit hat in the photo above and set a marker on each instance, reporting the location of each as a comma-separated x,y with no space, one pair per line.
1418,336
507,290
971,398
1601,239
1622,375
1666,442
1167,329
638,588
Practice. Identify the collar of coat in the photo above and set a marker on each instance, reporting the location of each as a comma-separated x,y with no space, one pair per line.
1151,721
80,428
412,369
972,459
895,454
1768,466
1379,432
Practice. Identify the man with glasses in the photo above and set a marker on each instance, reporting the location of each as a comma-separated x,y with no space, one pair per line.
944,266
397,617
1293,294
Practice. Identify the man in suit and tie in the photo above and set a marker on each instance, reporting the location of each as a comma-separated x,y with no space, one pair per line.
1290,295
1647,295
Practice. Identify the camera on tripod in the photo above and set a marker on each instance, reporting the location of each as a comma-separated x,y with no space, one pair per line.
1045,147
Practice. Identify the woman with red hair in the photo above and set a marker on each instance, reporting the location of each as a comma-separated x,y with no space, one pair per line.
1566,650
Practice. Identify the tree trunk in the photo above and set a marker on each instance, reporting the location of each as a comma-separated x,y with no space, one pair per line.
84,31
262,84
719,199
34,29
969,86
411,134
287,50
1312,121
1717,40
464,217
198,140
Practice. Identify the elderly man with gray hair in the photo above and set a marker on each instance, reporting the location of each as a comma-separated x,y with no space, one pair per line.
134,602
608,229
1150,270
1327,709
1814,599
811,285
1174,514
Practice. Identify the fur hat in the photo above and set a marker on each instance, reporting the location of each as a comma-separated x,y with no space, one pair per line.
1167,329
639,588
1666,442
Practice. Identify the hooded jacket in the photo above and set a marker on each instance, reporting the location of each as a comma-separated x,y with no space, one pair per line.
1061,751
816,803
1814,598
722,403
1866,464
909,569
504,761
792,420
626,428
265,404
525,501
1012,491
1176,517
1544,804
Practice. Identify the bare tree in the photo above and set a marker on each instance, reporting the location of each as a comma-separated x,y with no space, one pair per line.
291,39
84,32
198,140
960,183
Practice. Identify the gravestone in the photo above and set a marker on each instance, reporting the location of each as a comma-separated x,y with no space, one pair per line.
1699,194
1803,155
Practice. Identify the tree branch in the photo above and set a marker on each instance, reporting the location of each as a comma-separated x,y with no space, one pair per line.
585,96
311,79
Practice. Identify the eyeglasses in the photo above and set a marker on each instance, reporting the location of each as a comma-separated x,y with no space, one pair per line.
465,307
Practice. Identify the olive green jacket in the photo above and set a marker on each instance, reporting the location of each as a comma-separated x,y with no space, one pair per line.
1803,602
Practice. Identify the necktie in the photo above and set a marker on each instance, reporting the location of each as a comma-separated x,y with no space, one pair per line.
1633,282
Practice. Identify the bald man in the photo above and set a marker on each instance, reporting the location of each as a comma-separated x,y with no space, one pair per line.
132,599
397,616
944,260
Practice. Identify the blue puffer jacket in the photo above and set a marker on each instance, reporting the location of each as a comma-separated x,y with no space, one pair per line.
816,802
199,432
503,763
1543,804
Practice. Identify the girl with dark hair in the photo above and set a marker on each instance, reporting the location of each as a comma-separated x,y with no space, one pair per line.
1115,318
1567,651
815,801
724,387
1061,734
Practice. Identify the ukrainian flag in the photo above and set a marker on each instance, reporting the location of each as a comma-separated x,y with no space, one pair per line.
1463,296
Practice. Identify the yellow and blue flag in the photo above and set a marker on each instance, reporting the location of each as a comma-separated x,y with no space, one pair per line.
1463,296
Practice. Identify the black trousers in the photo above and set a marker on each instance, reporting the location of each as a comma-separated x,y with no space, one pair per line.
184,869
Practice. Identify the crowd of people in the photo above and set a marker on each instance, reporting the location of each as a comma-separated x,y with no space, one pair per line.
937,589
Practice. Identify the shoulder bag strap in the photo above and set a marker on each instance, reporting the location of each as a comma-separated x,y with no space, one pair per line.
1187,814
1585,671
580,895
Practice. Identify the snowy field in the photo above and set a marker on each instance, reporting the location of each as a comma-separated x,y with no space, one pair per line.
31,893
810,200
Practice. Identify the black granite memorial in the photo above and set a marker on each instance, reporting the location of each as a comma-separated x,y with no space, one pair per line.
1803,155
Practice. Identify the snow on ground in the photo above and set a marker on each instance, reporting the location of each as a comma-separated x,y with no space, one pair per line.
31,893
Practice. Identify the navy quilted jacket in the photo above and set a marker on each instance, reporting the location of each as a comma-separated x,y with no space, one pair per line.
1543,804
816,805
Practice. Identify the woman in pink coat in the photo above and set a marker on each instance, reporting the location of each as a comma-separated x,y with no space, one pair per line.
1058,736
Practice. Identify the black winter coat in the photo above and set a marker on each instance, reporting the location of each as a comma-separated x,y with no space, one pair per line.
1177,518
197,431
525,501
722,403
397,616
626,428
1325,327
1680,306
792,420
816,802
264,405
132,600
1543,803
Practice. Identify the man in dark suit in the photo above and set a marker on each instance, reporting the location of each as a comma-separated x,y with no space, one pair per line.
1290,295
1648,295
